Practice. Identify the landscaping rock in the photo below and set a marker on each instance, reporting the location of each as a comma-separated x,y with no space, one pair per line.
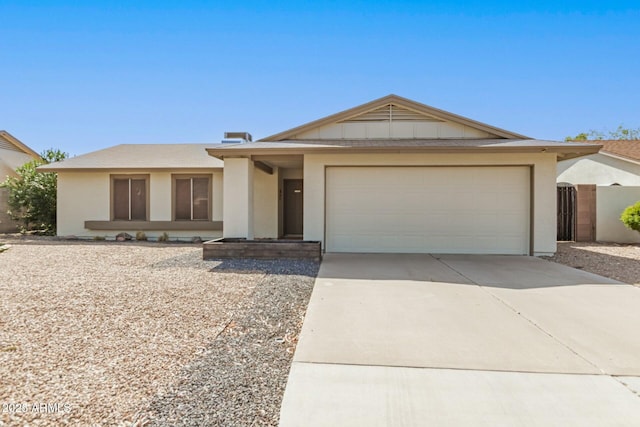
123,236
619,262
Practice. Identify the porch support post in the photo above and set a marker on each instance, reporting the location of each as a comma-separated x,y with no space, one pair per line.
237,209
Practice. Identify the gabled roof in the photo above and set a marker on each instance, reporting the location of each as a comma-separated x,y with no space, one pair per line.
398,101
10,142
140,157
627,149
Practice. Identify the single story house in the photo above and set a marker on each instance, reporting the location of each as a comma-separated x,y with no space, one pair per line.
13,154
604,183
391,175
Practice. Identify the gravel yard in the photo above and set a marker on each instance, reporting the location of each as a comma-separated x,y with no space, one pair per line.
119,333
619,262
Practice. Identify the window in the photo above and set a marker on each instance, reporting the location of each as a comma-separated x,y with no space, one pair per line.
191,198
129,198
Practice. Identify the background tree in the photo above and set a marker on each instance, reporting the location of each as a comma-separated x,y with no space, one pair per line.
32,195
620,133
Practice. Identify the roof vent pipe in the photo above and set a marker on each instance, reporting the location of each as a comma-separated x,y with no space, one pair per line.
236,137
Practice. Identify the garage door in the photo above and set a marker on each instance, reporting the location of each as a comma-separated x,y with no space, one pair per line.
474,210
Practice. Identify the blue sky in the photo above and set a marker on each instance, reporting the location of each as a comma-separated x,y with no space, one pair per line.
81,76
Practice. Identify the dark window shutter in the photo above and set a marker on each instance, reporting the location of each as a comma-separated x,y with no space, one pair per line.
201,198
120,199
138,200
183,199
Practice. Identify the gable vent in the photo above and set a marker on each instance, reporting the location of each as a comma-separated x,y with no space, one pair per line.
391,113
6,145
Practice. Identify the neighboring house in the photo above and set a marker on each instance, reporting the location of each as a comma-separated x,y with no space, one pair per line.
154,188
609,181
617,163
13,154
391,175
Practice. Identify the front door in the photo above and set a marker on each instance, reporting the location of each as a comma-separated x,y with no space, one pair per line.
293,207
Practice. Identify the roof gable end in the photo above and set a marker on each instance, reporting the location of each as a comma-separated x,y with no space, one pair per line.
393,117
9,142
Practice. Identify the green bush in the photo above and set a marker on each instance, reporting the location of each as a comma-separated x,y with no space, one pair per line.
631,217
32,195
164,237
141,236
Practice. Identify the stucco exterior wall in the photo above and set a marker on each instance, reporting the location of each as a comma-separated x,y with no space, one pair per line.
598,169
265,204
13,159
543,216
610,202
81,197
238,198
85,196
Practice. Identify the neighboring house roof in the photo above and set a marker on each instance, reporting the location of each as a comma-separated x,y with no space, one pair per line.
141,157
9,142
627,149
404,104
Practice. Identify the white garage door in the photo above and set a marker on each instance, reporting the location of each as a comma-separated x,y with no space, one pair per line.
471,210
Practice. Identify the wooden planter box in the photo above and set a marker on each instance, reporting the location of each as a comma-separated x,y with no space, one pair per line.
261,249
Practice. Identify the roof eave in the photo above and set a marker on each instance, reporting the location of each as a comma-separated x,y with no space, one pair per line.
562,152
45,169
620,157
15,141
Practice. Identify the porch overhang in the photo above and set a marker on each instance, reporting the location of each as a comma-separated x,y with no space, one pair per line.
260,150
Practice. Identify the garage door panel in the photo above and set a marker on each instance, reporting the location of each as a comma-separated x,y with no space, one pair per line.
428,209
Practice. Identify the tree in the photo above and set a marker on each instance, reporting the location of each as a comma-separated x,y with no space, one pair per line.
32,195
619,134
631,217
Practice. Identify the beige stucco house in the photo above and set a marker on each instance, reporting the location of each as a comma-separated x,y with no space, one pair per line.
13,154
391,175
394,175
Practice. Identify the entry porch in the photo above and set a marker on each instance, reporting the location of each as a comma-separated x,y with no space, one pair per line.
263,197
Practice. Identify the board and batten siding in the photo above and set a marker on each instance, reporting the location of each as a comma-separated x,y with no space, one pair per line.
393,130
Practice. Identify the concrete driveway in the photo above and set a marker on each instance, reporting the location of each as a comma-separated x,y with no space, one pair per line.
461,340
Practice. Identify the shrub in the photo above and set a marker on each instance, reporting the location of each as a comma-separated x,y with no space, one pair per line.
32,195
141,236
631,217
164,237
99,238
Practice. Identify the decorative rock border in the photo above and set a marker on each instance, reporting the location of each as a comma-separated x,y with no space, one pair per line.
261,249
